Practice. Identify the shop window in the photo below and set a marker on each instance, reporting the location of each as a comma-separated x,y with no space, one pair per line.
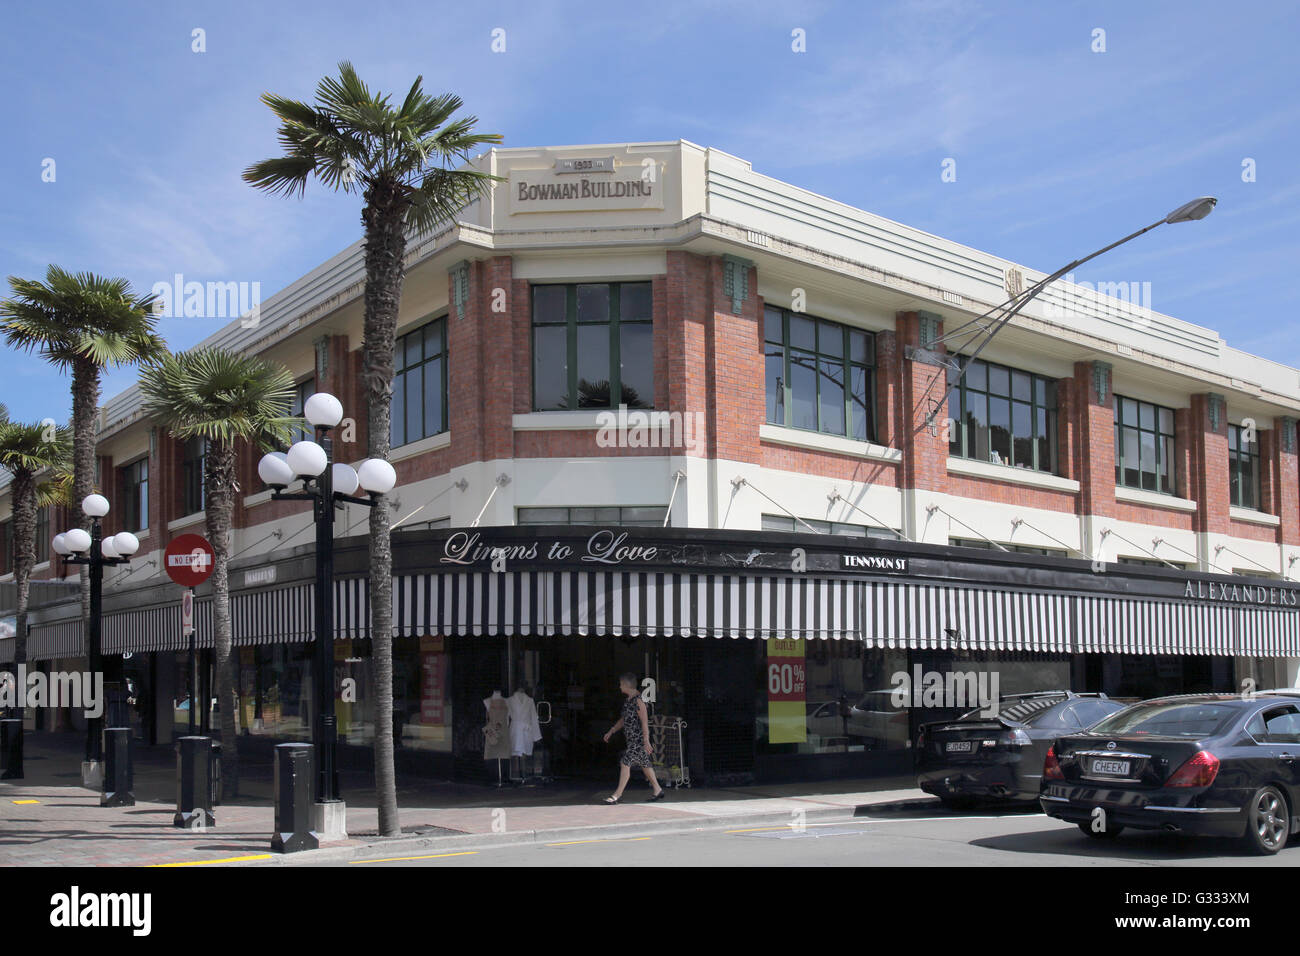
820,375
135,495
649,516
1243,467
192,475
301,392
787,523
1144,445
1002,415
419,407
593,346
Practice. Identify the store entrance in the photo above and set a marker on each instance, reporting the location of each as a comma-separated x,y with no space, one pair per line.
574,681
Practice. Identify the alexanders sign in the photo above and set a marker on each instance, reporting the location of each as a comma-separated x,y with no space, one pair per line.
1243,593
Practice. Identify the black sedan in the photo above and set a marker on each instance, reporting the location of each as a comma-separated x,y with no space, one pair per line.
1000,758
1206,764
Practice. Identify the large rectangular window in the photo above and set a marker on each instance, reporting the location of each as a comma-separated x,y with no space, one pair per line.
787,523
650,516
1243,467
42,535
420,384
1002,415
135,495
593,346
192,475
1144,445
301,392
820,375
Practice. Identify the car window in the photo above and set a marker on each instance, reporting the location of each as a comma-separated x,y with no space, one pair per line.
1282,725
1169,719
1055,718
1257,729
1091,711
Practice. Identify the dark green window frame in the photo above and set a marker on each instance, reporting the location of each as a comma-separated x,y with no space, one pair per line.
970,395
192,490
834,344
1243,470
42,535
301,392
415,352
135,495
580,392
1134,417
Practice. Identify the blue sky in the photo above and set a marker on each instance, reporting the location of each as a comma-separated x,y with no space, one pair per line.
1059,149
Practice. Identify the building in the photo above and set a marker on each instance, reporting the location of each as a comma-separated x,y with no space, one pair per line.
655,411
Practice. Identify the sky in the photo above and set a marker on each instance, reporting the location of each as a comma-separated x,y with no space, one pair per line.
1067,124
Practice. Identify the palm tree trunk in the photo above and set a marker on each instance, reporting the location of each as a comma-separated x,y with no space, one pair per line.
85,403
24,529
219,479
385,248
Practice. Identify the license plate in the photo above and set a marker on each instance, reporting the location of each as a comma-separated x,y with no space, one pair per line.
1111,768
958,746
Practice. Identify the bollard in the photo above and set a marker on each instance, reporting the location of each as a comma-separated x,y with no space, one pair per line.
118,772
11,749
293,799
193,786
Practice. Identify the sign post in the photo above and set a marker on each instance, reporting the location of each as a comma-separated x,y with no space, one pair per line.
188,560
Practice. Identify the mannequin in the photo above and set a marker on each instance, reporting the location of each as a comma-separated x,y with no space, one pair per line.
496,741
524,728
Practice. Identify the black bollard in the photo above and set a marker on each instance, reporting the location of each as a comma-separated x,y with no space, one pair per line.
293,799
11,749
193,784
118,772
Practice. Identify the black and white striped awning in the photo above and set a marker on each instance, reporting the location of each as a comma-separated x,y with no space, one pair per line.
272,616
631,603
61,639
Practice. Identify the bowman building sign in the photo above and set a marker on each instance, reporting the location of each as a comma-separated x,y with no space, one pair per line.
558,190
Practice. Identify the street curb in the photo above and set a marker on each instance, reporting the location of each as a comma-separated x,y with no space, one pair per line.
334,855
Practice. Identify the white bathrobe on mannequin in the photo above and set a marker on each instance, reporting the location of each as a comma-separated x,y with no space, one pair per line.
524,728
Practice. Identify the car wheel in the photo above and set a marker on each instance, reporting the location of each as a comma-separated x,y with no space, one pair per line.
958,803
1267,822
1107,834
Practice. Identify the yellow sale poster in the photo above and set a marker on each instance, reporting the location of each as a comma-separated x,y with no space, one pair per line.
787,704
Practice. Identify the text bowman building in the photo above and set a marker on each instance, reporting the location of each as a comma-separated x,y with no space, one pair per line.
1113,505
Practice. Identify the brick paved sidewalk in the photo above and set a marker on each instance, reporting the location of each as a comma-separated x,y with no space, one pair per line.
48,818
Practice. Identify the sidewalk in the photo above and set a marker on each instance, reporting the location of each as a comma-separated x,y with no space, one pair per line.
49,819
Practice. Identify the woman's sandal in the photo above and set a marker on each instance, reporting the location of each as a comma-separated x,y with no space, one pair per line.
657,796
612,799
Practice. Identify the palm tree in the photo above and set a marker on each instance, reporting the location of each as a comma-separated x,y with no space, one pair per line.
225,399
27,452
84,323
356,141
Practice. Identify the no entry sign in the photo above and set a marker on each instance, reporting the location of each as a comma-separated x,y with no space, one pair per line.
188,560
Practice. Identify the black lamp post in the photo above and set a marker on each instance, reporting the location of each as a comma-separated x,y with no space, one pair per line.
327,485
97,552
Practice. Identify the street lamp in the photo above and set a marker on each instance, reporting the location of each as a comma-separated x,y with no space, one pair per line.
327,486
96,551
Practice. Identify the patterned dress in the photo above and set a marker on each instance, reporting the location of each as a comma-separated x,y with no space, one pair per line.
635,755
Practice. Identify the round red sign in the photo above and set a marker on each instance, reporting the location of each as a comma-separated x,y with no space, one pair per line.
188,560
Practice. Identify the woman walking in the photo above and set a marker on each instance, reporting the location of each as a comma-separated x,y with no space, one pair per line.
636,731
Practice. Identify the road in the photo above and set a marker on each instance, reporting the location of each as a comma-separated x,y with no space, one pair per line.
904,838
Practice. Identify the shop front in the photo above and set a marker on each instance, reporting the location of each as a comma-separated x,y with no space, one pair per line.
772,656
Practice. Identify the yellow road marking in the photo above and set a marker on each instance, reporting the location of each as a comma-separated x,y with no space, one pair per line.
432,856
611,840
21,802
229,859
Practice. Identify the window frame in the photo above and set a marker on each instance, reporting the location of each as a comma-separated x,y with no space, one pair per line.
845,358
301,392
1235,455
134,476
401,372
1121,426
189,481
620,521
614,322
961,434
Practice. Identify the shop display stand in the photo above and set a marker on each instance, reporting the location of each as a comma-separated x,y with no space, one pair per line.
666,736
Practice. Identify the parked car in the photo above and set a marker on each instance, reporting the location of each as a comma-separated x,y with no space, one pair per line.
1000,758
1203,764
872,722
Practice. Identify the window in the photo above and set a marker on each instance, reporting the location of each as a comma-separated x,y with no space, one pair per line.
42,535
1013,548
1243,468
1144,445
420,384
820,375
192,475
1153,562
593,346
650,516
135,495
787,523
301,392
429,525
1002,415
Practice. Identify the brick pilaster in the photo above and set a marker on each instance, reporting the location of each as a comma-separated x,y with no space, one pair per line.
923,399
1281,477
1093,437
1207,444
